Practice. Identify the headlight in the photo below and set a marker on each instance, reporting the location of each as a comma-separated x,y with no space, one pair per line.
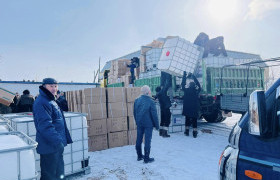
233,138
228,162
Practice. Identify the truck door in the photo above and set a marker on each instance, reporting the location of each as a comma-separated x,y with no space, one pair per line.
259,157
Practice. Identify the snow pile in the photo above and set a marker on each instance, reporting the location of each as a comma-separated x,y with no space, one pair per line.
178,157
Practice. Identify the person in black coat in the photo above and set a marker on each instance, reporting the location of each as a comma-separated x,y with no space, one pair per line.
25,102
165,113
61,101
191,103
13,105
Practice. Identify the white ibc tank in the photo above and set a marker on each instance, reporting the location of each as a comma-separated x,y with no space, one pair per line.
179,55
17,160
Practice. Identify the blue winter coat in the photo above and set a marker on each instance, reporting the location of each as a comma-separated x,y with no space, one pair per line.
51,129
145,113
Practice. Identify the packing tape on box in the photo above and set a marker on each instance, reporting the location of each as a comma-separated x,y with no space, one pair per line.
123,95
111,110
123,109
89,112
102,110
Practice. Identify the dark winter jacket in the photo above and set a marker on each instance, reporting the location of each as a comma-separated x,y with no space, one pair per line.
145,113
191,103
163,99
62,103
25,103
51,129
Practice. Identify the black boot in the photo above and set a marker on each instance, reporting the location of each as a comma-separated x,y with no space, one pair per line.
147,158
139,154
187,132
165,134
160,132
194,134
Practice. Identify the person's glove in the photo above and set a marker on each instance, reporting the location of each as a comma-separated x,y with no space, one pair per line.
185,73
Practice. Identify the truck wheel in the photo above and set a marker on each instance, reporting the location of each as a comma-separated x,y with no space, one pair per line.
214,117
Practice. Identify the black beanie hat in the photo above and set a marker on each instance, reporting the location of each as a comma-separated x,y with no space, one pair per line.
49,81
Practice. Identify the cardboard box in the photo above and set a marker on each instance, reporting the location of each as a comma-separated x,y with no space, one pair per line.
131,123
6,97
97,127
117,139
95,111
132,93
132,135
97,143
117,124
116,94
130,107
94,95
117,109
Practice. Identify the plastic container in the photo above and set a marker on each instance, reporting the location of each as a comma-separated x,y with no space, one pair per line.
17,156
179,55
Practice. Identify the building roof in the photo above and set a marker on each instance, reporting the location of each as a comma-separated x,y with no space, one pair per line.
65,83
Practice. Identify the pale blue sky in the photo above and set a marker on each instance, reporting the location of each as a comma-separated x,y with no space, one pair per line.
65,38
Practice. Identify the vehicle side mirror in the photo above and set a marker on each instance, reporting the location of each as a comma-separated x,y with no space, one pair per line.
257,114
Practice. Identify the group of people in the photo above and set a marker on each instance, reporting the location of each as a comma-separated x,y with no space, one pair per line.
53,135
23,103
145,113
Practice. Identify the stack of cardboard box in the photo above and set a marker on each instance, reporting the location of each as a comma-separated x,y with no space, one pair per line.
117,117
118,71
109,114
6,97
94,104
132,94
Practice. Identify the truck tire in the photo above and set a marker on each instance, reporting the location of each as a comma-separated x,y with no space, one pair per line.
214,117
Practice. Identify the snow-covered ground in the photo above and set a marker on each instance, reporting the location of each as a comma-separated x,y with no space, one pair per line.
177,157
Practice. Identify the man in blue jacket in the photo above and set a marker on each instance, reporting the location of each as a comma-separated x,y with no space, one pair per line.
52,134
145,115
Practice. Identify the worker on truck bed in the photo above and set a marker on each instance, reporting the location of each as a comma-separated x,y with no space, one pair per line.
134,64
190,102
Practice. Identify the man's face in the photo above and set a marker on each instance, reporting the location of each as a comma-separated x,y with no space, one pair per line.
52,88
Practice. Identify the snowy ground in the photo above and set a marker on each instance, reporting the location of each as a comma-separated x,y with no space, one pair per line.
178,157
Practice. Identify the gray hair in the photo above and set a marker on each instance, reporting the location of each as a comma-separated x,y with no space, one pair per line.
145,90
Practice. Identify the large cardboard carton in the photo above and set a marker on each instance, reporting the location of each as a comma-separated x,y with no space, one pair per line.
131,123
117,124
6,97
133,93
130,107
97,143
132,135
117,139
116,94
117,109
94,95
97,127
95,111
